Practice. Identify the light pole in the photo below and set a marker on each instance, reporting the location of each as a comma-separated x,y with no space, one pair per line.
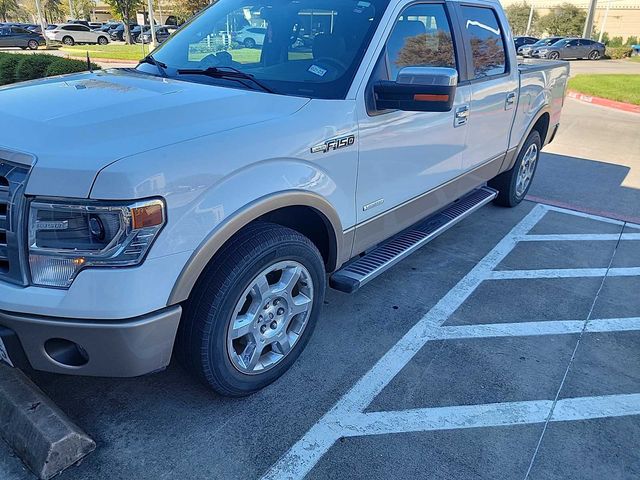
71,10
152,26
530,20
604,21
43,25
588,24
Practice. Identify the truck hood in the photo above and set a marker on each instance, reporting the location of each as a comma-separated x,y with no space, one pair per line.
76,125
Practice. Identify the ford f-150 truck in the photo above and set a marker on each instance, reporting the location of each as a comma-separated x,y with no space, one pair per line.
201,202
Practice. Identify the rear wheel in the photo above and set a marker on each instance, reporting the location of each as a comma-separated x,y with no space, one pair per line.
514,184
249,43
254,310
33,45
68,41
103,40
594,55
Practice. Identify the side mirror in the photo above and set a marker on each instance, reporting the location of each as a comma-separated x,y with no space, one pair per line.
418,89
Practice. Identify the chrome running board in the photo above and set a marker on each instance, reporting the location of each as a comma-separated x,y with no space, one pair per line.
381,258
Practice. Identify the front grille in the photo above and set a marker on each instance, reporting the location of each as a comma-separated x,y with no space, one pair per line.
12,180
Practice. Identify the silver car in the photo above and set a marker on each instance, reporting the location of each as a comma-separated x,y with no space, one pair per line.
527,50
572,48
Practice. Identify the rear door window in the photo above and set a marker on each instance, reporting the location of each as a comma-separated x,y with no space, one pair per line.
484,41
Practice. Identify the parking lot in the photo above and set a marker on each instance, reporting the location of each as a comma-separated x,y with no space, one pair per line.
506,348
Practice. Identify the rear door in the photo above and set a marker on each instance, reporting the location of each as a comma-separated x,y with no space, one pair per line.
494,84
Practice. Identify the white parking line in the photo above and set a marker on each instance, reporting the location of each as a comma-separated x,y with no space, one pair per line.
489,415
347,417
564,273
575,237
575,213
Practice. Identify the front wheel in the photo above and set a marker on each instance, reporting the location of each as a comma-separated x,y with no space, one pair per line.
33,45
514,184
103,41
250,43
594,55
554,56
253,310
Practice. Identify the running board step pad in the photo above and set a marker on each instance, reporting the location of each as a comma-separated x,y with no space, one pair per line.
366,268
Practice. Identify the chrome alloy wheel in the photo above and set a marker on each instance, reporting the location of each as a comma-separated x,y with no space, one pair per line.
527,169
270,317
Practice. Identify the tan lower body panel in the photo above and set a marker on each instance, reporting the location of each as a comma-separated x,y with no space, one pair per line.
387,224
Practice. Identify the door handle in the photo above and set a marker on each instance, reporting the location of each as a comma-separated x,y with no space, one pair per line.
511,100
462,116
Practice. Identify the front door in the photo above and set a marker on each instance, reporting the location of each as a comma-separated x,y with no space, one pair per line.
406,154
494,86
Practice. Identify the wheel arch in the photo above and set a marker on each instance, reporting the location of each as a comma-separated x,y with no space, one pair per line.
540,122
303,211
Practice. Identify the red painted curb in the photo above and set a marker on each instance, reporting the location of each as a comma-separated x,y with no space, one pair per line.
627,107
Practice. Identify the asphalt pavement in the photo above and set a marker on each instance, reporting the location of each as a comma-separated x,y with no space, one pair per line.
506,348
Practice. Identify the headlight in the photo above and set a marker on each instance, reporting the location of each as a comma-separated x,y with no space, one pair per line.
65,238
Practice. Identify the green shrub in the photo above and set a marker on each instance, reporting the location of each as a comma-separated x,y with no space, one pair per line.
31,67
617,53
632,40
63,66
8,66
615,42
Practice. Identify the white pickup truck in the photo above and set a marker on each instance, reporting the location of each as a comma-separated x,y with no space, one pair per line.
202,202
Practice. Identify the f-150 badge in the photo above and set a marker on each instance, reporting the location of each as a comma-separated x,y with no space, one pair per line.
334,144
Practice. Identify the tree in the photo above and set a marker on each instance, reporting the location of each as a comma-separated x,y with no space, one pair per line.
564,20
7,8
125,10
82,9
518,16
185,9
53,10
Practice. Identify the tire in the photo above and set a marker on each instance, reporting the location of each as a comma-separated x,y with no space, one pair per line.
514,184
33,45
103,41
249,43
207,344
554,56
594,55
69,41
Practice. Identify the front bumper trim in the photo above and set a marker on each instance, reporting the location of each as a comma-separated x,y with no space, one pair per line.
122,348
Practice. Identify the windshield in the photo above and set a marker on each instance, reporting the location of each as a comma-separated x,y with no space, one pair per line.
309,48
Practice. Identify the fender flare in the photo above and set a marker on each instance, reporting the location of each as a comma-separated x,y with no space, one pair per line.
513,153
269,203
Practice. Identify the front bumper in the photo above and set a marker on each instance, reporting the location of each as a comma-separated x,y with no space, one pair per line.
114,348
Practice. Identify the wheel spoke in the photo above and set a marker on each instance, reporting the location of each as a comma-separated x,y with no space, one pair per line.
282,345
261,288
250,356
301,304
290,277
242,325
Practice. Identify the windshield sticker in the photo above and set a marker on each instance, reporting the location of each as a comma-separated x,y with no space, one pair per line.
316,70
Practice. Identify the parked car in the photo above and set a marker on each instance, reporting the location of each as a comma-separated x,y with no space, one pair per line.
95,25
117,34
522,41
20,38
571,48
70,34
217,229
527,50
162,34
250,37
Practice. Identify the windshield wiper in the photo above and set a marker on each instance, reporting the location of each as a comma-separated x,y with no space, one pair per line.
228,73
162,68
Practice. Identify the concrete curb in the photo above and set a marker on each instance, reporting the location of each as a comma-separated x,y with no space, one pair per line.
626,107
44,438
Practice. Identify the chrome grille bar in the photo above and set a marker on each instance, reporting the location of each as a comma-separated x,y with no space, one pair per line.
12,180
